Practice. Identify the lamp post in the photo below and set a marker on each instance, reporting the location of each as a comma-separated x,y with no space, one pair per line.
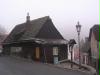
71,45
78,28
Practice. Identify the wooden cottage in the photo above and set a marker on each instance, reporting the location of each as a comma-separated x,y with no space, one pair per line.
36,39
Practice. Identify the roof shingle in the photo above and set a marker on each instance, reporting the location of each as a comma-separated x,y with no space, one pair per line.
28,30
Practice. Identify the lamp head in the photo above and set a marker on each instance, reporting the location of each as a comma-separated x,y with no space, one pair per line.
78,27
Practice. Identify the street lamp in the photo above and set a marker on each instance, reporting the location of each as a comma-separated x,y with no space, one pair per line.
71,45
78,27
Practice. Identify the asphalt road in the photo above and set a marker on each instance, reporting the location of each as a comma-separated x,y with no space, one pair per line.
11,66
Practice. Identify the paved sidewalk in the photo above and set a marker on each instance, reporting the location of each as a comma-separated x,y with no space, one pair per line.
67,65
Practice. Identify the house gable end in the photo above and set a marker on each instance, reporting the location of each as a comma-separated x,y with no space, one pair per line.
49,31
93,39
93,45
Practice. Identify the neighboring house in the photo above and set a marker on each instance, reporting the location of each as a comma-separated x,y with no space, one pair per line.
94,44
76,53
85,52
37,39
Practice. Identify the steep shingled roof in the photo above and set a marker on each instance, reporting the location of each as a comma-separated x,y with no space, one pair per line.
95,30
28,30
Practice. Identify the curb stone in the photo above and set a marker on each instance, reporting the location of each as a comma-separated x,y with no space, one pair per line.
68,68
91,72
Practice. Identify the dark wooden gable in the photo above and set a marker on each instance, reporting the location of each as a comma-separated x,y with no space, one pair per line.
49,31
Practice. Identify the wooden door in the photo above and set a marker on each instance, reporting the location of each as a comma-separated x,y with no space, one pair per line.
37,53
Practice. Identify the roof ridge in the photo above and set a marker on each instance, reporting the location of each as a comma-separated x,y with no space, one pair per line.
40,18
96,25
48,17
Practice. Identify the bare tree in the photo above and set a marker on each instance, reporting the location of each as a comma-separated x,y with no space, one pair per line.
2,34
2,30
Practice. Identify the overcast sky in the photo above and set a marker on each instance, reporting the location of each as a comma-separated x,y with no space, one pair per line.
64,14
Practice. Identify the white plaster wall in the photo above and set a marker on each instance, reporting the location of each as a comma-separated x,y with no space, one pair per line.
94,49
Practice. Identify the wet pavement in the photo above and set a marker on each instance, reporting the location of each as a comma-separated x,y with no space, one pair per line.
13,66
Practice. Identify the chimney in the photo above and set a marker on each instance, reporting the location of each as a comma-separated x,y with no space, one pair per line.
27,18
27,26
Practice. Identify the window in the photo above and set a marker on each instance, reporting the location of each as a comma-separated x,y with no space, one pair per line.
55,50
